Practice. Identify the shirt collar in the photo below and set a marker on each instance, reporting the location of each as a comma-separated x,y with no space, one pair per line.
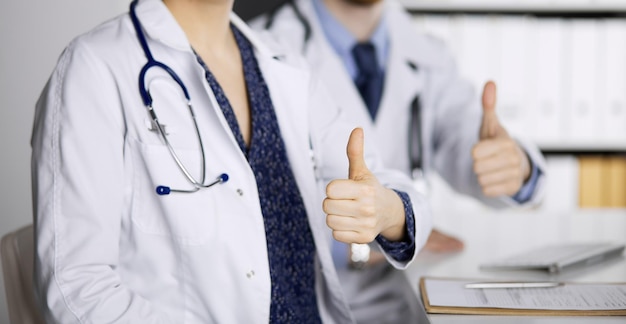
342,41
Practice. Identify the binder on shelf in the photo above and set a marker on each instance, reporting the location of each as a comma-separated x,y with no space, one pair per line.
547,77
613,59
615,187
439,26
591,181
583,64
602,181
513,80
479,46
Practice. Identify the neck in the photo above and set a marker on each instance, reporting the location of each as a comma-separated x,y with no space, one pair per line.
205,22
360,17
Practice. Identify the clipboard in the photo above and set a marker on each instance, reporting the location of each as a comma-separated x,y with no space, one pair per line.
440,309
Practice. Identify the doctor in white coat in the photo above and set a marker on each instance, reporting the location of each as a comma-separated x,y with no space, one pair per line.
147,216
426,119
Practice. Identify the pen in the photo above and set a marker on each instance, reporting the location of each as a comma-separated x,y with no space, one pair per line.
510,284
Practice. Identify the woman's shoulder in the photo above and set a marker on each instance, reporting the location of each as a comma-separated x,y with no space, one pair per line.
100,42
107,33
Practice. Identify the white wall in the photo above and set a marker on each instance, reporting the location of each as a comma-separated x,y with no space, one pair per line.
32,33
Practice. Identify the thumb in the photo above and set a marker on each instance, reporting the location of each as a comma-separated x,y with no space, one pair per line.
357,168
490,123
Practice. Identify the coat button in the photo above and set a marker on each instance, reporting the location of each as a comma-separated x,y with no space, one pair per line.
250,274
240,192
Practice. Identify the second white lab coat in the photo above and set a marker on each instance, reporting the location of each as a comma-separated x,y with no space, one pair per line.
109,249
418,65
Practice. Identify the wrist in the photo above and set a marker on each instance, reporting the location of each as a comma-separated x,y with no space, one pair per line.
395,229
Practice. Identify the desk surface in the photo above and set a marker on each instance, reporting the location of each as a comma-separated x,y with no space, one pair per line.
494,234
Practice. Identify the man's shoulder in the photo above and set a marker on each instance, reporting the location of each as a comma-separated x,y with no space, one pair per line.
421,46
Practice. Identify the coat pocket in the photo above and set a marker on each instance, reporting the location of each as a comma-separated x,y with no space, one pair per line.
189,218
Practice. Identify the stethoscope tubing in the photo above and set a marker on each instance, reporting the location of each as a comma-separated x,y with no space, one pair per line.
147,101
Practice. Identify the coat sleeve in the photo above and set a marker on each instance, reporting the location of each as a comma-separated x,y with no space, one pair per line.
78,196
331,129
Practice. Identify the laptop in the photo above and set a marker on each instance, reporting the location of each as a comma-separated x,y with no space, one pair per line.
555,258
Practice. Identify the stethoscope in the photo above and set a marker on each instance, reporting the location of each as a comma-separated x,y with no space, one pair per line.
147,101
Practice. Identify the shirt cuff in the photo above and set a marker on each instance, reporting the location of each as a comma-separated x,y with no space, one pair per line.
524,194
403,250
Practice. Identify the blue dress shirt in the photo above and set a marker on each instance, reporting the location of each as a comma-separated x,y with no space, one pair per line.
342,41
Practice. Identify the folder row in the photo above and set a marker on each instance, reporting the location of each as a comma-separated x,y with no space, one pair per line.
561,81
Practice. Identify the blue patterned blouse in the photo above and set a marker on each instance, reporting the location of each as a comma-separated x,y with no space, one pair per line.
290,244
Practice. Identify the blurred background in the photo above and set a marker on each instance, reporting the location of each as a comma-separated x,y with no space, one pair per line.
560,66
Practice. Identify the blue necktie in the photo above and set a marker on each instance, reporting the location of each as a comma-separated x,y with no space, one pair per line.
370,77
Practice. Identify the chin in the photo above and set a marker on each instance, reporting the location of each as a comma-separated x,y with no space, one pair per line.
363,2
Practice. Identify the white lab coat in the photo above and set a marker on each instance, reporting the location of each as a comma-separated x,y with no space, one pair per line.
418,65
109,249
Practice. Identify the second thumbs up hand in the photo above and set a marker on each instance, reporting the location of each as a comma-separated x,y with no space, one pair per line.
359,208
500,164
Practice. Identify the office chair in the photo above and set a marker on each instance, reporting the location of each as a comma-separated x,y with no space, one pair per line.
17,250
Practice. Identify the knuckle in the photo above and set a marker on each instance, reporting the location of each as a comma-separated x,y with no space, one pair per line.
518,184
512,189
330,221
370,224
368,211
482,180
475,152
517,175
330,188
361,239
477,168
367,191
364,238
514,159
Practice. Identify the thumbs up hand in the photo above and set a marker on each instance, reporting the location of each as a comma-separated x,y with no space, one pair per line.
500,164
359,208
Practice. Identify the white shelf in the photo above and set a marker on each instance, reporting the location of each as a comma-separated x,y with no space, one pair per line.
532,6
